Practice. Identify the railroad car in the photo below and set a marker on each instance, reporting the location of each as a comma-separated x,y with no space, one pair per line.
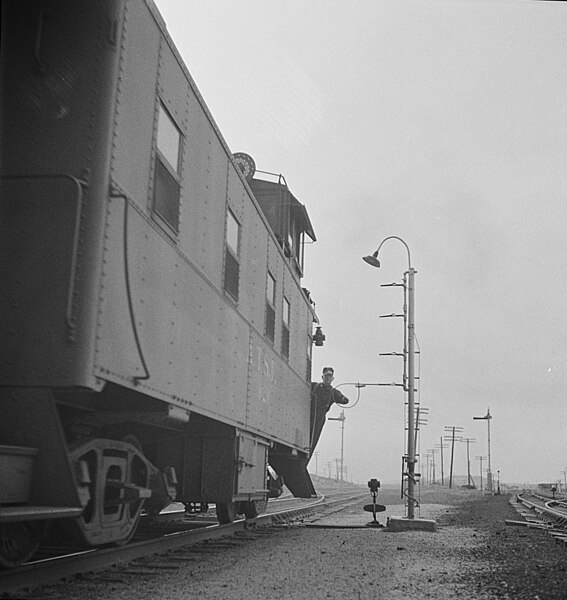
156,339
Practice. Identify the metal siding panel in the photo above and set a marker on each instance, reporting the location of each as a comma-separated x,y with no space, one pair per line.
199,351
216,365
153,277
116,351
256,273
136,103
49,97
36,270
195,344
173,87
236,195
201,237
64,131
299,331
278,399
254,250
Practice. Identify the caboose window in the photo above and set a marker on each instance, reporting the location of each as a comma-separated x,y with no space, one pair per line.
232,233
271,307
169,138
166,174
285,327
232,249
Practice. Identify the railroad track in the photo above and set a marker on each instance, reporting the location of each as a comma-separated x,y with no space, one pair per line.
173,532
543,513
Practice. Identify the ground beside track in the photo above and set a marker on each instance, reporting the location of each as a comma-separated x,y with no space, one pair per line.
473,555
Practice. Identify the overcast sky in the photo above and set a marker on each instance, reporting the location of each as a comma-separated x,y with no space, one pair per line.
444,123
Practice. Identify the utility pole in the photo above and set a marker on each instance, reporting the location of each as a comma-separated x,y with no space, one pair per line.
410,458
342,419
441,446
410,394
329,470
487,418
453,430
481,458
431,472
468,440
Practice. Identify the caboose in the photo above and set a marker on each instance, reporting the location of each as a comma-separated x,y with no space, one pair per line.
156,340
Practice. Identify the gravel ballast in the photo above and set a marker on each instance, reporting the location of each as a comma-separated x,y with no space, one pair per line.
473,554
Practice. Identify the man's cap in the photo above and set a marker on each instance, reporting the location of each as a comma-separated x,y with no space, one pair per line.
328,370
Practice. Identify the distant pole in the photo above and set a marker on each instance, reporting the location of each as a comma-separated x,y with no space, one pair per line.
468,465
342,419
468,440
480,458
316,454
433,459
489,475
441,448
452,438
487,418
452,455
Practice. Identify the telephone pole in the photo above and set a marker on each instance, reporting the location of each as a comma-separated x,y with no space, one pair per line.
481,458
342,419
487,417
453,430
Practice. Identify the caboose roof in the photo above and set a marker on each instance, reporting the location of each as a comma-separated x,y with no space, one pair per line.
261,188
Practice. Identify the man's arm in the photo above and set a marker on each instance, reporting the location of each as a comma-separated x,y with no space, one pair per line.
339,398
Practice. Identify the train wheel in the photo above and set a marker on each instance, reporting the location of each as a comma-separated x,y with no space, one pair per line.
226,512
19,541
115,480
253,508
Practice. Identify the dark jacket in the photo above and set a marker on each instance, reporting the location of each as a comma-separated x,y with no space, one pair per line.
322,398
325,396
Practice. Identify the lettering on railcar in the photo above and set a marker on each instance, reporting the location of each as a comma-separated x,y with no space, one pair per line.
263,364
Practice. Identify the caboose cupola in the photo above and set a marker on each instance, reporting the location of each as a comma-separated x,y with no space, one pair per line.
286,216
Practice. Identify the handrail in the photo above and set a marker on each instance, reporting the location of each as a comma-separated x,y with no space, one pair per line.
136,378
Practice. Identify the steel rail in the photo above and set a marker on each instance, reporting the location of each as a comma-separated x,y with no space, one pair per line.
546,510
50,570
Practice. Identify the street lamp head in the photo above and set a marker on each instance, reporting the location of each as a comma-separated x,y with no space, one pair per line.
372,259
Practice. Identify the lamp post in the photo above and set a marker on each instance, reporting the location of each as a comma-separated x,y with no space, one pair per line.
410,388
487,417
